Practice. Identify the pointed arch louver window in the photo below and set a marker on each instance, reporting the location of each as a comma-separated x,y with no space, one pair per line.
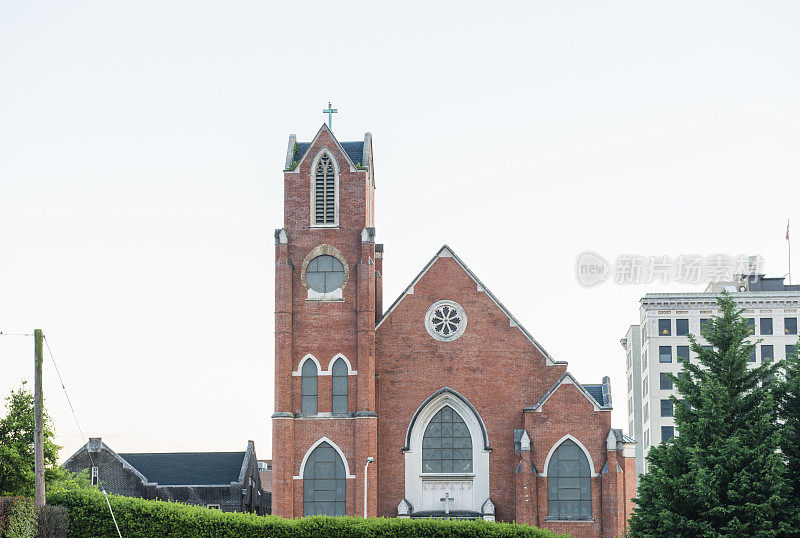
308,388
325,191
339,388
569,488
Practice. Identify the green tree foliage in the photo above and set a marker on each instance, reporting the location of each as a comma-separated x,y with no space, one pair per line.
723,474
790,442
16,446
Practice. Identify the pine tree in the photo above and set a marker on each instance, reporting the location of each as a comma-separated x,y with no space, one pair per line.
790,439
722,475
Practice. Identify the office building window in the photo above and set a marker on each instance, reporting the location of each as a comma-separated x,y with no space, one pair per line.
664,353
791,351
682,353
752,356
644,360
646,413
704,323
665,381
666,408
767,353
665,327
766,325
667,433
644,387
681,327
751,325
789,325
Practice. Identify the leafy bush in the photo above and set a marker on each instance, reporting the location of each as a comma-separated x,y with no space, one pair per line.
17,517
53,522
138,518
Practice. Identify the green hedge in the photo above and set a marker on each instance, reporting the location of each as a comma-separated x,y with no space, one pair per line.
138,518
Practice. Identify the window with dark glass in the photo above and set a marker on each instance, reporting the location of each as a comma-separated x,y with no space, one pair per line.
325,192
324,483
644,387
766,325
667,433
682,327
752,356
751,325
767,353
339,389
682,353
791,351
569,489
665,381
704,323
308,388
325,274
665,327
664,353
447,444
666,408
646,412
789,325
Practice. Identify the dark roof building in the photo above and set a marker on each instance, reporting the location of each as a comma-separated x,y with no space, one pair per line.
227,481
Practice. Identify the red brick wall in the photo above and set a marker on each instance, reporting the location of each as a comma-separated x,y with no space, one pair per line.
492,364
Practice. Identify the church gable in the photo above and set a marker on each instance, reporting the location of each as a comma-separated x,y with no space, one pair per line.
446,273
576,393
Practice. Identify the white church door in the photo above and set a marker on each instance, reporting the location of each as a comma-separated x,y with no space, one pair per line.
447,458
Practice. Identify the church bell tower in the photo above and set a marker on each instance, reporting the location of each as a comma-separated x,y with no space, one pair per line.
327,298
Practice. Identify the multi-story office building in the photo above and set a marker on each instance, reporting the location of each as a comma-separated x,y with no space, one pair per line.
660,344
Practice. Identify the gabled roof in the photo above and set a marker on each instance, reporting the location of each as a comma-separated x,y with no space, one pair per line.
447,252
597,393
568,378
188,468
358,154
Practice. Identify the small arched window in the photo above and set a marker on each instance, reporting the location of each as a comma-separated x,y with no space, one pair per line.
308,388
324,482
325,191
569,488
339,392
447,444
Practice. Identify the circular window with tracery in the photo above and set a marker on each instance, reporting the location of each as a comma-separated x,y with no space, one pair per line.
445,320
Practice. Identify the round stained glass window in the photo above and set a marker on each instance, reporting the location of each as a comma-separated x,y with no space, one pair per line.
325,274
445,320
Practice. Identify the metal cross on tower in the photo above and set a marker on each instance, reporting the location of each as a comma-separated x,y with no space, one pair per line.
330,111
447,499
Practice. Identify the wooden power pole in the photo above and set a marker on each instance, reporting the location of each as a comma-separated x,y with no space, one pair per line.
38,414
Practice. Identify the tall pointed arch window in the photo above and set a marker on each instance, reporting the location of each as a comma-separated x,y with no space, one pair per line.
569,487
325,192
447,444
324,483
308,388
339,382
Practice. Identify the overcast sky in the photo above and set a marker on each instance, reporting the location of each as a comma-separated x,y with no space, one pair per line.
141,149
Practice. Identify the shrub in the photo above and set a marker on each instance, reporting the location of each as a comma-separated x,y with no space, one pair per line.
53,522
17,517
139,518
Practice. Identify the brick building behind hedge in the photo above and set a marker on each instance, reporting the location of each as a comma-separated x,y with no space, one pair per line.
228,481
463,411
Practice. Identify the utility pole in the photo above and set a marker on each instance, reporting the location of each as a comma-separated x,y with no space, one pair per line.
38,419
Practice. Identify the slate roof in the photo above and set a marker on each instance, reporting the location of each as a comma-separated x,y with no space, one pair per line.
596,392
354,150
188,468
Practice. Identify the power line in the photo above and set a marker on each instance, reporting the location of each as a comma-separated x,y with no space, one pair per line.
15,334
75,416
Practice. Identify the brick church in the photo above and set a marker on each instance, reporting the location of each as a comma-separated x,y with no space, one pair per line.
445,401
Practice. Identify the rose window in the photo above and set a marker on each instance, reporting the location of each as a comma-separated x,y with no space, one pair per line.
446,320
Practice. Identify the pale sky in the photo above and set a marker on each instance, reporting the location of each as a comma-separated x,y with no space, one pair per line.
143,143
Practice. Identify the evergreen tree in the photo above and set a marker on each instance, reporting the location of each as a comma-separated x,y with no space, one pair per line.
722,475
790,415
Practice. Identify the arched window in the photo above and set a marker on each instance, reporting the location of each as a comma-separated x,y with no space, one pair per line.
339,377
325,191
569,489
325,274
308,388
447,444
324,483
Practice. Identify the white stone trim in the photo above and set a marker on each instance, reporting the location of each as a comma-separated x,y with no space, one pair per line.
558,444
350,370
312,186
315,445
309,356
414,477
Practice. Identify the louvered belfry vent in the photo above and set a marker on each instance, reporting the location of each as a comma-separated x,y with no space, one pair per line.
325,192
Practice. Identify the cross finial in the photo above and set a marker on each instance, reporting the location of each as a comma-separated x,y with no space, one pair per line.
330,111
